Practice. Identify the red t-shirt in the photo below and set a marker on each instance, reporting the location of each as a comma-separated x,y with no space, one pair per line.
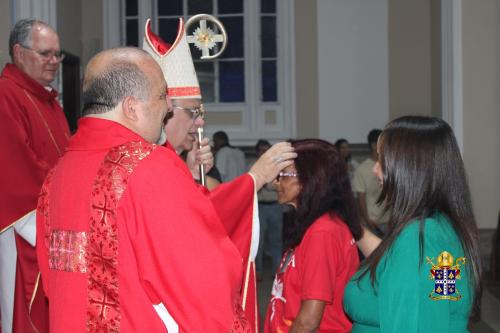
318,268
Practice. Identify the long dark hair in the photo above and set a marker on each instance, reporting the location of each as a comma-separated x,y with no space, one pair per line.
423,173
325,187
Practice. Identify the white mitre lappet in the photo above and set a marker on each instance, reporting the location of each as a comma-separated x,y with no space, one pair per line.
175,61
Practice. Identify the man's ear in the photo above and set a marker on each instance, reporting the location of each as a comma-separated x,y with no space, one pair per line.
17,50
130,107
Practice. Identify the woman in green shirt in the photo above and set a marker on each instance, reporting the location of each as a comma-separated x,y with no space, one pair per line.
425,275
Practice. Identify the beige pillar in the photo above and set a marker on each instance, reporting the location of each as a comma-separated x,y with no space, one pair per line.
409,57
481,106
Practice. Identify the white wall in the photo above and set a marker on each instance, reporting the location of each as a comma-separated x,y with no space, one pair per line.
481,106
69,23
306,69
353,68
410,79
92,29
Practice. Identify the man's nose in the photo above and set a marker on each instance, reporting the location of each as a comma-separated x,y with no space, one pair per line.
199,122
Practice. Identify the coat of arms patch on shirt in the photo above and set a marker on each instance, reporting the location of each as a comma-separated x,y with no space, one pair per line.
445,274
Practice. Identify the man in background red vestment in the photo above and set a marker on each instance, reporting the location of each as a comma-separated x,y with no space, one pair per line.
126,241
33,135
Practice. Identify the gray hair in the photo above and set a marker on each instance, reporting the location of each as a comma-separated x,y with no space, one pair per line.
105,90
21,33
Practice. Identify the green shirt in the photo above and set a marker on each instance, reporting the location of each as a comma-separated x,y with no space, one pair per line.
400,301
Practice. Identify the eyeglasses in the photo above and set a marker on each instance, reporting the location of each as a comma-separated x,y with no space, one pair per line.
195,112
285,174
47,55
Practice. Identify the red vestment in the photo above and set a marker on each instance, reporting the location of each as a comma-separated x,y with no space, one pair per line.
34,134
122,226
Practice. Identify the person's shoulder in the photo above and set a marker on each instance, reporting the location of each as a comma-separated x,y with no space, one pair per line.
330,229
439,231
363,168
240,152
162,161
408,238
366,164
411,230
7,86
161,170
437,220
12,101
224,151
434,225
436,230
331,224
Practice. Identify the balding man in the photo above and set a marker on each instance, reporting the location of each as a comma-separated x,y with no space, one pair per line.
127,242
34,134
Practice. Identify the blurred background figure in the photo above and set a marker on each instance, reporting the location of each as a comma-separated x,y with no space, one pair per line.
342,146
229,160
271,221
368,188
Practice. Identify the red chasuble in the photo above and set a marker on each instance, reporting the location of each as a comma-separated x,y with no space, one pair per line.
233,213
122,226
34,134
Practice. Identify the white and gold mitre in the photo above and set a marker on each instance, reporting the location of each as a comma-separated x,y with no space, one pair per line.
175,61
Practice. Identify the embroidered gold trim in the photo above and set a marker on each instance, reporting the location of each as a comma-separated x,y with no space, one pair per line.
7,227
68,250
45,123
256,309
19,219
31,302
103,289
245,289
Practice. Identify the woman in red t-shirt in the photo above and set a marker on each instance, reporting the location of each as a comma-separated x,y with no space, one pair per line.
321,254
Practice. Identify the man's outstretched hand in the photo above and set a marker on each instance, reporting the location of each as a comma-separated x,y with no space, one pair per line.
275,159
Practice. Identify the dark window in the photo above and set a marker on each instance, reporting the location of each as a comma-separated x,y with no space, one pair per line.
268,6
168,29
131,8
269,83
268,36
232,81
234,28
230,6
132,27
205,72
223,79
199,7
170,7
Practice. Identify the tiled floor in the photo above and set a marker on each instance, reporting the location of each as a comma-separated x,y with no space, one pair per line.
490,305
